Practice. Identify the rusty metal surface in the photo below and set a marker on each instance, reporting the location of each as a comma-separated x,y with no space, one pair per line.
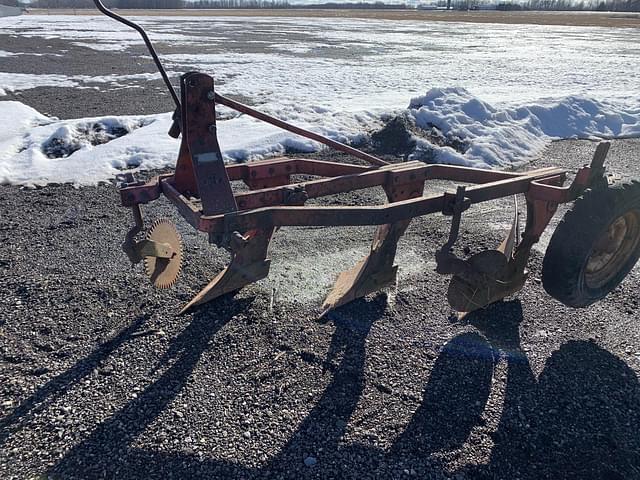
361,215
129,244
278,167
376,270
482,279
200,135
141,193
185,176
509,243
262,183
483,285
487,276
163,270
201,189
401,173
249,263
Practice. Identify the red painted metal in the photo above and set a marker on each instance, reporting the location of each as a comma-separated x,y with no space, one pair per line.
341,147
242,220
200,135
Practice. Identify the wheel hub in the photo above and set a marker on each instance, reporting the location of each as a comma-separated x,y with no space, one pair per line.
613,249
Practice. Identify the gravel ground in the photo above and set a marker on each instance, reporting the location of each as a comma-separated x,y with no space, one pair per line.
99,378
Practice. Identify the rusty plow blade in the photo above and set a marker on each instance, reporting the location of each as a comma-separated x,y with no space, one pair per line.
371,274
489,276
377,270
249,263
358,282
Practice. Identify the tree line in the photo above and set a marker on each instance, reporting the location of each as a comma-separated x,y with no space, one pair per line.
567,5
542,5
237,4
559,5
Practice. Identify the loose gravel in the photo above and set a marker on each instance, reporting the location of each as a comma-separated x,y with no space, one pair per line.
99,377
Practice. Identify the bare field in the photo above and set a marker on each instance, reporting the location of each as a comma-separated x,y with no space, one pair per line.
578,19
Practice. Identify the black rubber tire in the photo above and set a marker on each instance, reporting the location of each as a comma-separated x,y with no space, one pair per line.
565,262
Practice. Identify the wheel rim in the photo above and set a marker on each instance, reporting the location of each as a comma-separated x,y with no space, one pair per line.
613,249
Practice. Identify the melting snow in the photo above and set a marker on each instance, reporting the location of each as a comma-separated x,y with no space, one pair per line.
345,63
36,150
508,136
517,88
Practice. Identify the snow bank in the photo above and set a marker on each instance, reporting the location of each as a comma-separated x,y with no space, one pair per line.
510,136
36,150
16,120
84,151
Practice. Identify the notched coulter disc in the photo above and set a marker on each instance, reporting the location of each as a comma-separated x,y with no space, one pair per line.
164,272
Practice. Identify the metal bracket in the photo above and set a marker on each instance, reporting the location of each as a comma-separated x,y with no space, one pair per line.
129,244
454,205
128,180
597,170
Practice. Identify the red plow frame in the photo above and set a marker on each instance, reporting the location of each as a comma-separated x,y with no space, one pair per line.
243,222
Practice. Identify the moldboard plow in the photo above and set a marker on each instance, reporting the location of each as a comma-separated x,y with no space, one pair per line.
592,250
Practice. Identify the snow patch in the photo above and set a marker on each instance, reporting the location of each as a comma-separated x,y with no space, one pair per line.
83,152
450,126
510,136
70,138
12,82
16,120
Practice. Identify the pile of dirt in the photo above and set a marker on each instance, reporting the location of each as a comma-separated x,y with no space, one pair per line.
401,137
66,141
396,137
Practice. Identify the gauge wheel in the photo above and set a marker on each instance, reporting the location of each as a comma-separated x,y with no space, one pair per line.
595,246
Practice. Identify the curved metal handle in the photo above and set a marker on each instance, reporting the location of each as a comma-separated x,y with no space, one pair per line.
147,42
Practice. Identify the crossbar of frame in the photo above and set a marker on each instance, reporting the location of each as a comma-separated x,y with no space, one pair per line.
508,183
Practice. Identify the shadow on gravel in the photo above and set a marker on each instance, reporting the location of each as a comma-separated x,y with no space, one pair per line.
327,422
453,400
59,385
578,419
107,452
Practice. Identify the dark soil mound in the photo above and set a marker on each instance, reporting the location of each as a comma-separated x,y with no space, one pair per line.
395,138
402,137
